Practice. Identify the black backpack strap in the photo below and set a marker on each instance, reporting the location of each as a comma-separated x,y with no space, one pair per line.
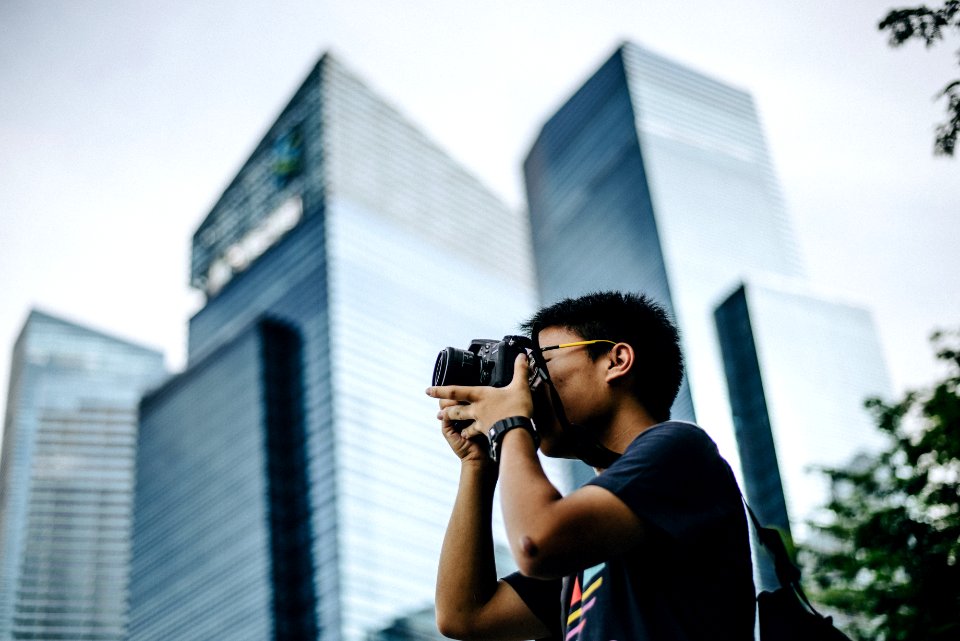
787,573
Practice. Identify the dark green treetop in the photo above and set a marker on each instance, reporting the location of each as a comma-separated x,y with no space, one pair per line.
886,558
929,25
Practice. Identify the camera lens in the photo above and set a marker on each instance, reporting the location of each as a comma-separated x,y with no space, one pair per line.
456,367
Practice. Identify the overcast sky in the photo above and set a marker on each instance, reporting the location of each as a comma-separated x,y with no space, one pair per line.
122,122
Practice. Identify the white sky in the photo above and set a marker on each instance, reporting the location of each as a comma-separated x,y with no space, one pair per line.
122,122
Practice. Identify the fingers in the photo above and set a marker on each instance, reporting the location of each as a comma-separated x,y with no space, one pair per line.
484,405
455,392
456,412
471,431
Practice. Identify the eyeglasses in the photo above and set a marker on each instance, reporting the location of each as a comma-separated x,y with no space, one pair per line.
576,344
539,372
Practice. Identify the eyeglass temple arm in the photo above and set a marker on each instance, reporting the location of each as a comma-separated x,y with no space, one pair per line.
601,340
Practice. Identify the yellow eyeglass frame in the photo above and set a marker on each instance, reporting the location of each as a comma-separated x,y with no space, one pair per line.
576,344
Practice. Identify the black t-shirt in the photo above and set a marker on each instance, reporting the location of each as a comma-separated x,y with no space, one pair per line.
690,579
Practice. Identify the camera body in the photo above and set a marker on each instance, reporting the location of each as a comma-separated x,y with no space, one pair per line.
485,362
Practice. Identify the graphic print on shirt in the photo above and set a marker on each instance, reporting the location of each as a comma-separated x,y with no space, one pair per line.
582,599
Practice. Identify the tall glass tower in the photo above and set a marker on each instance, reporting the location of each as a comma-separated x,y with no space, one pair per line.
292,482
66,480
799,368
655,178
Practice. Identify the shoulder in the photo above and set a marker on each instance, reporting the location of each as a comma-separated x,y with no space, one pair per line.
673,463
672,439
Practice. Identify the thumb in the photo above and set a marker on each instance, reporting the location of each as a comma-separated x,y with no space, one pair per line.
520,370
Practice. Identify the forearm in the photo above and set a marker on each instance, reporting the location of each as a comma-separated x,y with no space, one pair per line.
467,578
527,497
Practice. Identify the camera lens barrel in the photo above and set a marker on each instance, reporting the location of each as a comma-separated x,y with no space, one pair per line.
456,367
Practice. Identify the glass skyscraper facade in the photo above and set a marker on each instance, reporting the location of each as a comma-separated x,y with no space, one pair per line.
345,254
799,368
66,480
655,178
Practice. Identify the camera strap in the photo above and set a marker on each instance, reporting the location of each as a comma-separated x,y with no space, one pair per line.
586,446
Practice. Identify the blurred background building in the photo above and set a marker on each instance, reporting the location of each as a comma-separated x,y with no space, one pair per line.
66,480
417,626
292,482
799,367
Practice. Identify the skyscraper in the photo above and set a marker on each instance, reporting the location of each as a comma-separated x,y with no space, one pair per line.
66,480
799,367
292,482
655,178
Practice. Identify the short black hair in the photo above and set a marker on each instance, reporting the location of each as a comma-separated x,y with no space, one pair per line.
634,319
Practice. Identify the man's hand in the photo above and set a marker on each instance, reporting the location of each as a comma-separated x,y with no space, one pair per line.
483,405
466,447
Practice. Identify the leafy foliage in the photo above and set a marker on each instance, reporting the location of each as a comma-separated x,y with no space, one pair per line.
889,558
928,25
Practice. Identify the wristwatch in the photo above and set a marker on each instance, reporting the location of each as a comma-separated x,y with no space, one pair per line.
501,427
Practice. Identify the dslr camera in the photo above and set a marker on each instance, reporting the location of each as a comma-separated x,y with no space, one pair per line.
485,362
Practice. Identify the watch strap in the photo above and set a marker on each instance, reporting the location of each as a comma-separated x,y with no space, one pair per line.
501,427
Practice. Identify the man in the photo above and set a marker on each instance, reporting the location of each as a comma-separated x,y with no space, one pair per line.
654,547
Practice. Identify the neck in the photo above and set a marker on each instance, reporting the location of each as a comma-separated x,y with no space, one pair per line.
629,420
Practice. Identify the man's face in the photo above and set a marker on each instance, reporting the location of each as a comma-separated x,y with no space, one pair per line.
579,381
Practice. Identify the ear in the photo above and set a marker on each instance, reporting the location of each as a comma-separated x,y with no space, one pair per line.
620,360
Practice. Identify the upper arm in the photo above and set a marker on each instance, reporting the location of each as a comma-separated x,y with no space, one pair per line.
505,617
580,530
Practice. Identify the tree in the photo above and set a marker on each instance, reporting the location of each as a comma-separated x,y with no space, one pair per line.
888,554
928,25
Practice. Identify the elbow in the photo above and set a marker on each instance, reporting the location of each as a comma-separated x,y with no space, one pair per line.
449,628
453,625
456,630
536,562
447,621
